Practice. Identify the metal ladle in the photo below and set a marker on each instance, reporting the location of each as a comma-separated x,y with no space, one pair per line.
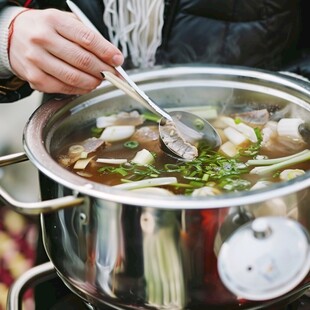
190,128
187,128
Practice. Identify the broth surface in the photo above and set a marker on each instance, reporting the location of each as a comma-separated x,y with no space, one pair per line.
251,136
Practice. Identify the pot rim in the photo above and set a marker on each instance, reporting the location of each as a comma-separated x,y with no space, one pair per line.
35,144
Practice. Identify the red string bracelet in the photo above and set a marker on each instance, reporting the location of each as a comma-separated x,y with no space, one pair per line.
27,3
11,29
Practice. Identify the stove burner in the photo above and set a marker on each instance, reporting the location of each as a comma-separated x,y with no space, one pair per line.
44,278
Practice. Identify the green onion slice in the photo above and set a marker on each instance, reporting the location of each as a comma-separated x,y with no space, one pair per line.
131,144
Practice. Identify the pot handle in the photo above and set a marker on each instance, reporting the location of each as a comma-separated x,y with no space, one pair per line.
12,159
32,277
34,208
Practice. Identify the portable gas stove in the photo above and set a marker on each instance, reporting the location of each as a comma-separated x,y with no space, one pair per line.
45,275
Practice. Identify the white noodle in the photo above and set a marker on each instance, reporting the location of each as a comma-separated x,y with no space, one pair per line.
135,26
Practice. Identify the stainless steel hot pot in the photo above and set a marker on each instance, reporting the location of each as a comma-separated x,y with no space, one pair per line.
246,250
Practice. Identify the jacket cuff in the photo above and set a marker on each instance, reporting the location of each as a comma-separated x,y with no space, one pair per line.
6,16
13,89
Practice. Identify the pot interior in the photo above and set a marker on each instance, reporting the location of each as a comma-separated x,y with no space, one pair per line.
226,89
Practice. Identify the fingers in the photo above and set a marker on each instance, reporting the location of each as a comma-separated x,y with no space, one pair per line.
52,85
90,40
76,56
59,74
49,74
70,80
59,53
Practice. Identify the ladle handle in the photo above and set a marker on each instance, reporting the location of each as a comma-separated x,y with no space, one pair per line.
125,87
142,94
154,107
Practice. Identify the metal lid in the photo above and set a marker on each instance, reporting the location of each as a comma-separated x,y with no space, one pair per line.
265,259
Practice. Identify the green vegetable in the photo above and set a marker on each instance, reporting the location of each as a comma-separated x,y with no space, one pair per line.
96,131
238,120
254,148
231,184
299,158
117,170
146,183
131,144
151,117
208,167
199,125
266,162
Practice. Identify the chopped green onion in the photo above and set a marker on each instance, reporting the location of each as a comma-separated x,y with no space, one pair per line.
205,177
121,171
196,183
231,184
192,178
96,131
152,168
199,124
151,117
182,185
238,120
131,144
172,167
118,170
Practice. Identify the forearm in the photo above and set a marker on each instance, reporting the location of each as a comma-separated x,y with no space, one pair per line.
54,52
6,16
11,88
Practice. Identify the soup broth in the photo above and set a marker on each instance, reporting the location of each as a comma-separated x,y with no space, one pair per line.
124,150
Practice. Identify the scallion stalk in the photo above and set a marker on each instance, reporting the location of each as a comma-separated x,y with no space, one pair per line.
151,117
271,161
147,183
302,157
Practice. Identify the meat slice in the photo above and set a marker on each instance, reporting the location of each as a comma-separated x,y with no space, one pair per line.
176,143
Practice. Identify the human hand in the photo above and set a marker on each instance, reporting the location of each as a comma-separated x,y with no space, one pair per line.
56,53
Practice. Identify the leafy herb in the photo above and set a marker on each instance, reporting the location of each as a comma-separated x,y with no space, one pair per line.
209,167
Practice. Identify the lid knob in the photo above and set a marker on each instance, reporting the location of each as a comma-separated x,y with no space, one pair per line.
261,229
